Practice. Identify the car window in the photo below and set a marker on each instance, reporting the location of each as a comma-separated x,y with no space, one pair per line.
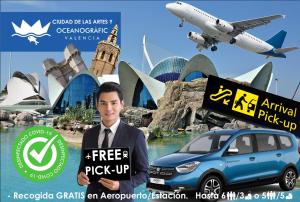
223,139
266,142
206,144
243,143
285,142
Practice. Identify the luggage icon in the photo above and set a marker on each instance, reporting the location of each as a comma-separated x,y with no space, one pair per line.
251,105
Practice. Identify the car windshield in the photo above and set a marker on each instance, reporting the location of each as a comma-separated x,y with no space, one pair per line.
205,144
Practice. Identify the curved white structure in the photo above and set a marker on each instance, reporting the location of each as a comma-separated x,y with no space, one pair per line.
55,88
25,89
198,63
146,53
259,78
128,79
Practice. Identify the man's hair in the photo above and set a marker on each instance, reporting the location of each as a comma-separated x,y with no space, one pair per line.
108,87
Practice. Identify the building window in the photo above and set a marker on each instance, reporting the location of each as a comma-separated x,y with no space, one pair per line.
110,57
168,77
112,39
102,55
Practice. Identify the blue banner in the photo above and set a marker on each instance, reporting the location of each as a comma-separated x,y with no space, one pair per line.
52,31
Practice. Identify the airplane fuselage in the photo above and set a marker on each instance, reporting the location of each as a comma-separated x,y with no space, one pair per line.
207,23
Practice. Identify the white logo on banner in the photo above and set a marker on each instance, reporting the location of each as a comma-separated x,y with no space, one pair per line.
31,32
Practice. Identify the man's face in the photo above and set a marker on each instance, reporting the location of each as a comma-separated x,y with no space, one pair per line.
109,105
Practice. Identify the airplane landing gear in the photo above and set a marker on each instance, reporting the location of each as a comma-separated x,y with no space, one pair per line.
181,23
214,48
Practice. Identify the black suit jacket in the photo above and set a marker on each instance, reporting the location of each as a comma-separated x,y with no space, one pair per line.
126,136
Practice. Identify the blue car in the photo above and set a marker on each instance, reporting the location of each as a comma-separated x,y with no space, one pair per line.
222,160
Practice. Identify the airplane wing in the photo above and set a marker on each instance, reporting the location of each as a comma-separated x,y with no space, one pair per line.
241,26
209,40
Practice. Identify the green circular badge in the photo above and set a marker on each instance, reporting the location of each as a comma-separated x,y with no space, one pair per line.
40,153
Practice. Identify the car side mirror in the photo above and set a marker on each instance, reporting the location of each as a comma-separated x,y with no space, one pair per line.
233,151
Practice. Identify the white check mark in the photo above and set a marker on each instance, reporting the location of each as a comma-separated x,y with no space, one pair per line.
39,156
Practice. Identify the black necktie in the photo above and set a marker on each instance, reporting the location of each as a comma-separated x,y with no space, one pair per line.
105,140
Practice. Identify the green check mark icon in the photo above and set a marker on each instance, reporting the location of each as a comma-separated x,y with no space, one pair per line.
40,156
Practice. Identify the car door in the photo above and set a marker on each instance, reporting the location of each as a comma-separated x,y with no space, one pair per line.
240,166
288,152
268,155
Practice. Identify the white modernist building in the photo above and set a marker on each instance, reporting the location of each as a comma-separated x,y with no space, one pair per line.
24,92
142,90
259,78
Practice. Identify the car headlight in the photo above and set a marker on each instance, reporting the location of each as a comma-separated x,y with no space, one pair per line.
187,167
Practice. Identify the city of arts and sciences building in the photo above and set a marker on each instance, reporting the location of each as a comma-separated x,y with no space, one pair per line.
71,83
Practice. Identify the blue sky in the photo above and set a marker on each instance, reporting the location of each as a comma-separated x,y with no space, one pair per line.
151,18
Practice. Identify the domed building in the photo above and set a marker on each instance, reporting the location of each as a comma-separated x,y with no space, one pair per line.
168,69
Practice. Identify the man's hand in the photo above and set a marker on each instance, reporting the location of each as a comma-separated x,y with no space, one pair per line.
83,179
110,184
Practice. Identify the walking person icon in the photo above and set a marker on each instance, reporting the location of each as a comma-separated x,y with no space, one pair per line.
240,101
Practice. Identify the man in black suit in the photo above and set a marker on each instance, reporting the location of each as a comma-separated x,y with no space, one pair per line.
112,132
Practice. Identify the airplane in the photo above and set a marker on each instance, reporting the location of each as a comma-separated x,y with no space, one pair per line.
216,30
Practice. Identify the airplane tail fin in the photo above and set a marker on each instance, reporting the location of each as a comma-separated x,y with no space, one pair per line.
277,39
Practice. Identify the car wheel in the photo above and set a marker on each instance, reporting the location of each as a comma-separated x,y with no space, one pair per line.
288,179
211,188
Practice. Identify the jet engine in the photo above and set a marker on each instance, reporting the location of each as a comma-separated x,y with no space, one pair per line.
196,37
232,41
224,26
